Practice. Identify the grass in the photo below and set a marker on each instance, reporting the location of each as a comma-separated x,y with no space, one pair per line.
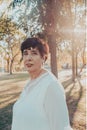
12,85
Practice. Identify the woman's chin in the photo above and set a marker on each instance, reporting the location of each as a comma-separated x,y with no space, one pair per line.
31,70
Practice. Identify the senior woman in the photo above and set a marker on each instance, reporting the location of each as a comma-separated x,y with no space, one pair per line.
42,103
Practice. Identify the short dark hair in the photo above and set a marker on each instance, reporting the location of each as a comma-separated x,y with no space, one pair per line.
35,43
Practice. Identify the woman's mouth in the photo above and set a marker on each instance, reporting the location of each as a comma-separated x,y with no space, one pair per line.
29,65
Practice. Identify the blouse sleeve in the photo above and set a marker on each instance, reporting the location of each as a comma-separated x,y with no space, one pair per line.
56,108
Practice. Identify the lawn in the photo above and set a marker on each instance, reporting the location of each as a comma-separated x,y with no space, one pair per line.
12,85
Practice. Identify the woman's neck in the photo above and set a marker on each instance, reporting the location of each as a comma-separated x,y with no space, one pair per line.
36,74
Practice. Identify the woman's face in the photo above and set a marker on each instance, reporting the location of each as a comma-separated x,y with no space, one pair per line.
32,59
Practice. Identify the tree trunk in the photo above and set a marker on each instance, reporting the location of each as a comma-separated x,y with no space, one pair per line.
52,46
73,62
8,65
84,61
11,64
76,65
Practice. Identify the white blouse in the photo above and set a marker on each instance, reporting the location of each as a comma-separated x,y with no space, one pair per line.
41,106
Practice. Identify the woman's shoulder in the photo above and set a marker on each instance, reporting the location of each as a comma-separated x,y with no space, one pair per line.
54,83
50,76
52,79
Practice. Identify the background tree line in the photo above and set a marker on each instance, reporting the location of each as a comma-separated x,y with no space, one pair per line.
61,23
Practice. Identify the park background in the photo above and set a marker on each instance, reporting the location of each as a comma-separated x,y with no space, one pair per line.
63,25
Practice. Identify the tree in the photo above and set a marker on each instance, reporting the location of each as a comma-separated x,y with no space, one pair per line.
32,23
10,34
55,19
7,28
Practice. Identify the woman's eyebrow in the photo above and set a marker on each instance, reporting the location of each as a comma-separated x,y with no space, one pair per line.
34,50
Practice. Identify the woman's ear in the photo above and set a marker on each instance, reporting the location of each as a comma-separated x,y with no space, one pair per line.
44,58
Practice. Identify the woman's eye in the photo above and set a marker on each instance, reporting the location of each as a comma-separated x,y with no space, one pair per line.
34,53
25,53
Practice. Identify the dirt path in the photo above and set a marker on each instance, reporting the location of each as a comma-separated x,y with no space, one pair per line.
11,86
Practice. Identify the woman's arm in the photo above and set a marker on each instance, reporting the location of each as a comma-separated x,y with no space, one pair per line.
56,108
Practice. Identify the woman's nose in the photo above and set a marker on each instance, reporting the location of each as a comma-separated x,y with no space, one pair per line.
29,57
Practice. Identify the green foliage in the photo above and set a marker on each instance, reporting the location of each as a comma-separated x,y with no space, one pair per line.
7,28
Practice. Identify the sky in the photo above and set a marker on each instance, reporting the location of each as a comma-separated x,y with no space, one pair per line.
4,5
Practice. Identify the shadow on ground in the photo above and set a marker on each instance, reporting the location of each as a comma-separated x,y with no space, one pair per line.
6,117
6,111
73,98
10,90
